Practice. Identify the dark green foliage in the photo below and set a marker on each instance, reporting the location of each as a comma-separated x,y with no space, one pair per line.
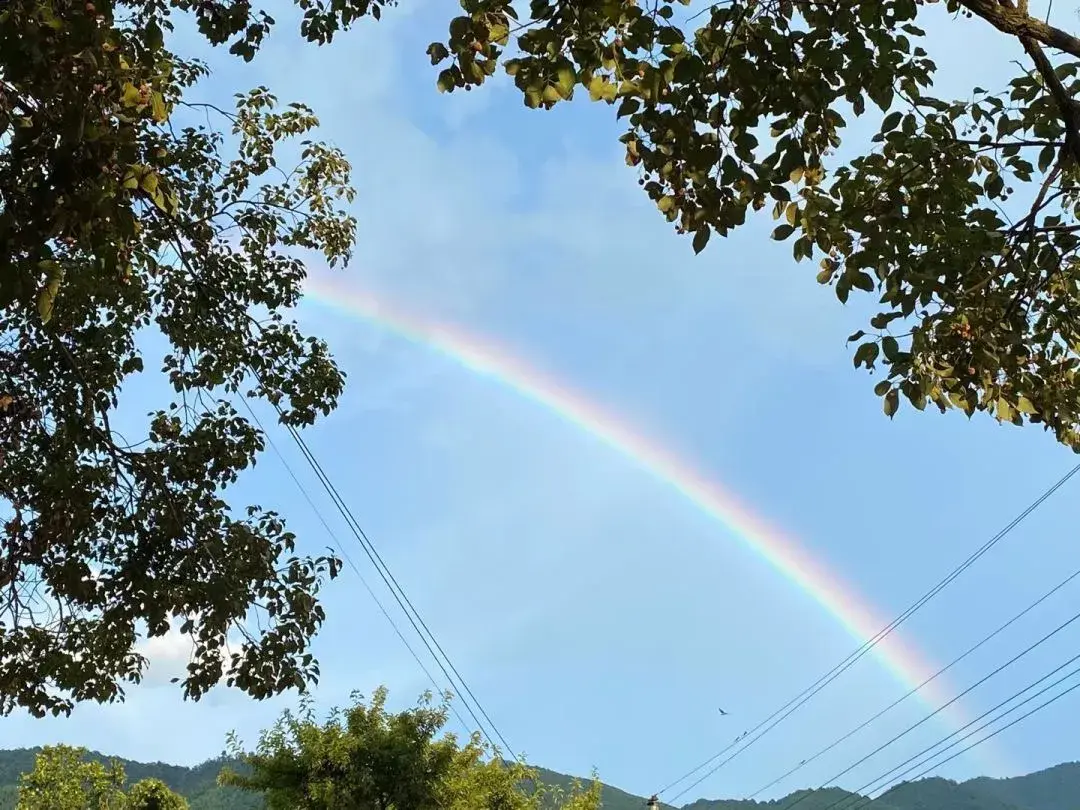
1056,788
66,778
128,224
962,218
198,784
1045,790
365,758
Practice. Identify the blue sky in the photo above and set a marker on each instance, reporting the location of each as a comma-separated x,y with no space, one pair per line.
599,617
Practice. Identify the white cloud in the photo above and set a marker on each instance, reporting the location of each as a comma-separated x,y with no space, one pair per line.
168,655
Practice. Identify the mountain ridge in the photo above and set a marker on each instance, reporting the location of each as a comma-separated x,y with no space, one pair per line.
1053,788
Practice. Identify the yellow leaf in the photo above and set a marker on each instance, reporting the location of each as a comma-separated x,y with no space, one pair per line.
160,200
131,95
158,109
596,88
47,296
793,214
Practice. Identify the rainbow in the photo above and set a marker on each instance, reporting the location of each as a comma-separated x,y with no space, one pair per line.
784,554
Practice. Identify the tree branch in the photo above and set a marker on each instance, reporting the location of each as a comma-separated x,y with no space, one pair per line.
1019,23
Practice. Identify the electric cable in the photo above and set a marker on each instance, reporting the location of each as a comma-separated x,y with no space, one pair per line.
942,707
802,698
993,734
889,774
926,682
348,559
862,799
391,582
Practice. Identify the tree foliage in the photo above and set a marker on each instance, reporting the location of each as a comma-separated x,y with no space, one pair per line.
962,219
366,758
64,778
141,229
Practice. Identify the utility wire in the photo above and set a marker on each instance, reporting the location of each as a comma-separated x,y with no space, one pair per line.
393,585
994,733
889,775
385,574
916,724
936,675
862,800
803,697
340,547
399,593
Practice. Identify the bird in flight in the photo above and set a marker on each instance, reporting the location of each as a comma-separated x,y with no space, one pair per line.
723,712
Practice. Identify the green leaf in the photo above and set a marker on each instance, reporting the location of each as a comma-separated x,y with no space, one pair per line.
1046,157
862,281
155,38
446,83
437,52
866,354
891,121
890,348
701,238
891,402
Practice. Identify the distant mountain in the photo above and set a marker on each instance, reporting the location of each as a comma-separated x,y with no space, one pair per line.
1056,788
198,785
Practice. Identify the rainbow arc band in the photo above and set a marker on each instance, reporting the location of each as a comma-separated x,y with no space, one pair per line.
780,551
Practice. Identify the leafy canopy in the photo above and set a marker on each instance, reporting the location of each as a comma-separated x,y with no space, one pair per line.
64,778
963,219
139,228
366,758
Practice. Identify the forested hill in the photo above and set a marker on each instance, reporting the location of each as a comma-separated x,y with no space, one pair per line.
198,785
1056,788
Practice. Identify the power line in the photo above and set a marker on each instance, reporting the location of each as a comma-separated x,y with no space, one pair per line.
862,800
936,675
889,774
384,573
945,705
403,600
1007,726
803,697
406,605
348,559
